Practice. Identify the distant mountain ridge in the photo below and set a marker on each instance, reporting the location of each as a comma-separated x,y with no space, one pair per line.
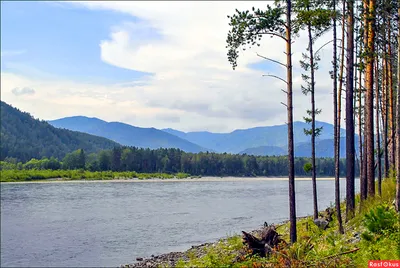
93,134
269,140
24,137
127,134
240,140
323,148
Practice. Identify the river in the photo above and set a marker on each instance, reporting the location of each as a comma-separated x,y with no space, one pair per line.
74,224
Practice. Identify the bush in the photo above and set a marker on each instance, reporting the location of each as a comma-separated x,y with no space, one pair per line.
380,219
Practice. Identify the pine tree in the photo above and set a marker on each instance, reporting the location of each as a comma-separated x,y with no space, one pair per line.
247,29
350,176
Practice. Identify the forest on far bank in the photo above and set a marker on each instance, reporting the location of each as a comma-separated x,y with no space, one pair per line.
174,161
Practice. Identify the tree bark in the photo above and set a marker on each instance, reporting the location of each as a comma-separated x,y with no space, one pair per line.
350,191
378,141
341,71
363,184
363,177
391,114
335,127
385,119
292,195
398,121
369,104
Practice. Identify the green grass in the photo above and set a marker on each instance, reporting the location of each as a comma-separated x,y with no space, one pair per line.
376,224
35,175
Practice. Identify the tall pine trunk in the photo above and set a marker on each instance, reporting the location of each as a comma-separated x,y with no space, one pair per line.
292,196
378,141
363,177
350,191
363,188
335,127
398,121
369,104
391,119
385,119
363,184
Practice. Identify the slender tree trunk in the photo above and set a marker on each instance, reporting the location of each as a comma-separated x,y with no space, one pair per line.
292,195
341,72
363,177
350,191
339,98
369,104
335,127
385,125
391,101
378,142
363,190
398,121
314,175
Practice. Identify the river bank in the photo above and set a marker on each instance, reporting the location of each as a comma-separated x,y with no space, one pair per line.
372,234
171,259
154,180
33,175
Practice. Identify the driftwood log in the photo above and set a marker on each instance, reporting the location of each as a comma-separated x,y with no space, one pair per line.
264,245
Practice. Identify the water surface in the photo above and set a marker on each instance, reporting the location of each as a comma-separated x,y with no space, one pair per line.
108,224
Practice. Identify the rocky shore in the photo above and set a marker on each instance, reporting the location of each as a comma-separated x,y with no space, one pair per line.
170,259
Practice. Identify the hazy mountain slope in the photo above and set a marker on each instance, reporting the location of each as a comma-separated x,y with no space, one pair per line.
126,134
323,148
243,139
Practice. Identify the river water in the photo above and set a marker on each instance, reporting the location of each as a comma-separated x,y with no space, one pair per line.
76,224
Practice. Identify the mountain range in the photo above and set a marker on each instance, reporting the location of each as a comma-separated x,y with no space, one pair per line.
240,140
24,137
269,140
323,148
126,134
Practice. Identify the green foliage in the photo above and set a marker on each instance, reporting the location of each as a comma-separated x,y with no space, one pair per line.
75,160
221,254
248,27
380,219
307,167
314,13
79,174
174,161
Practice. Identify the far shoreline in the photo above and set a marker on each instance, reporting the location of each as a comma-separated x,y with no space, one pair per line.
155,180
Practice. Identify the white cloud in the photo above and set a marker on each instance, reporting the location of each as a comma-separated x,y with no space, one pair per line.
193,86
10,53
23,91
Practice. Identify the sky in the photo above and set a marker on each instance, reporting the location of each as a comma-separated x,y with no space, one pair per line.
149,64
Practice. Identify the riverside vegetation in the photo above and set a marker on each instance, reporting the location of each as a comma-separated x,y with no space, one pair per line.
373,234
80,174
131,162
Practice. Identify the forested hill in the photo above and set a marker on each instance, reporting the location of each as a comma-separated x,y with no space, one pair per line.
24,137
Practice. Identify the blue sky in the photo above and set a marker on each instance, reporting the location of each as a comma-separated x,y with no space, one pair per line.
59,40
62,59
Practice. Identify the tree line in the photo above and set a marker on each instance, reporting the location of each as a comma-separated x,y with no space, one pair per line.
366,73
172,161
